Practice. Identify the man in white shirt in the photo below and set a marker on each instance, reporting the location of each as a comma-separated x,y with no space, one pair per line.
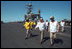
53,29
41,26
62,25
46,25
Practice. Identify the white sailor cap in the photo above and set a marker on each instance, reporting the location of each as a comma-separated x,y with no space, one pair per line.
52,17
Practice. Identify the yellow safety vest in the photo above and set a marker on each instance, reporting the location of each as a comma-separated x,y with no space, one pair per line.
27,25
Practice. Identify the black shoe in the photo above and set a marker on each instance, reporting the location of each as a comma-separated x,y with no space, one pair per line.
55,40
41,42
51,44
30,35
26,38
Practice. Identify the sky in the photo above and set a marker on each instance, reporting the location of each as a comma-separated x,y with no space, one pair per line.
15,10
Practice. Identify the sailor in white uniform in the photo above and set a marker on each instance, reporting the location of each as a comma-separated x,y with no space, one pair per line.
62,25
41,26
53,28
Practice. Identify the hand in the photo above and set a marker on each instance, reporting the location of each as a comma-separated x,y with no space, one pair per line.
34,28
57,30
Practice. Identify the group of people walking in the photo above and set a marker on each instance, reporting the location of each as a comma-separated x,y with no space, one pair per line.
52,28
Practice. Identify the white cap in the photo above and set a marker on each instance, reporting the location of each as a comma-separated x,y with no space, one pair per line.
41,18
52,17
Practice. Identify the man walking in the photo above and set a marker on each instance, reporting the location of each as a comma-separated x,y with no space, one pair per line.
53,29
41,26
62,25
27,26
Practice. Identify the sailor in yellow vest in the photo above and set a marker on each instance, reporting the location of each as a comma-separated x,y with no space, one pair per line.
27,26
